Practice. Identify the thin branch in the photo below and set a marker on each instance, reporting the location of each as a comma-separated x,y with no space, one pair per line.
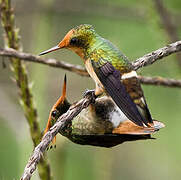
140,62
21,77
169,26
152,57
146,60
62,121
9,52
160,81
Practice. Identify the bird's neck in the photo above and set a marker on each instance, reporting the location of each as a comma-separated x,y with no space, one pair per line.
85,52
96,43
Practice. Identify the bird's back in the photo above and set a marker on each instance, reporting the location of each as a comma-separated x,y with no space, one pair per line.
103,50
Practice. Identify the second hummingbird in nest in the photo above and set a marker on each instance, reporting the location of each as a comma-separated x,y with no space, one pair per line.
110,69
100,124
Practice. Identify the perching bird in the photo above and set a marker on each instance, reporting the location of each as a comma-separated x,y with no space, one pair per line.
111,71
100,124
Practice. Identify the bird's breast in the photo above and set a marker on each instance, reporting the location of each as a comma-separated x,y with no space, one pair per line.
90,70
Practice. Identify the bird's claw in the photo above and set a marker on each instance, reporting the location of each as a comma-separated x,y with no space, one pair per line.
90,93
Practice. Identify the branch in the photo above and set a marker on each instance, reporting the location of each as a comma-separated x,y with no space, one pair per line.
140,62
18,67
152,57
8,52
159,81
62,121
146,60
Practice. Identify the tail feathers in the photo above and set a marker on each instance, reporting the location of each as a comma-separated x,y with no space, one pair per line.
158,125
128,127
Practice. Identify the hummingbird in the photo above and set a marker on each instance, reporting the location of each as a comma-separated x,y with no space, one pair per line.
101,124
111,71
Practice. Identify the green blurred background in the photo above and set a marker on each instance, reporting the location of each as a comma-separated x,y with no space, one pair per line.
135,27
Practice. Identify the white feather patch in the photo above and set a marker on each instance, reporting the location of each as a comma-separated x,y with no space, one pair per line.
117,116
129,75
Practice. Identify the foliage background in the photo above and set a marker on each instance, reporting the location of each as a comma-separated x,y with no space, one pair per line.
135,27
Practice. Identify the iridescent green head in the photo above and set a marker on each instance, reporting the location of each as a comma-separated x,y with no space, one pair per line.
78,39
82,36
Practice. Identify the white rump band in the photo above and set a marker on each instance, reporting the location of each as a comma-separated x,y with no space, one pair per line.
129,75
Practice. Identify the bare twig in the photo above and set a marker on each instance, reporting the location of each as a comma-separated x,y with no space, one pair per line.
140,62
62,121
152,57
8,52
169,26
21,77
146,60
160,81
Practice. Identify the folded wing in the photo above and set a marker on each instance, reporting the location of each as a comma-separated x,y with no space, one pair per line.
111,80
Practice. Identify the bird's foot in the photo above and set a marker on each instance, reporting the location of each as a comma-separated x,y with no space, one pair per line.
90,93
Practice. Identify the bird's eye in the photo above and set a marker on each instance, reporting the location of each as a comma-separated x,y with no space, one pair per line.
54,113
74,41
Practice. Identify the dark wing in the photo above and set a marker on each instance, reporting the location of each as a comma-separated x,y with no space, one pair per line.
111,80
133,88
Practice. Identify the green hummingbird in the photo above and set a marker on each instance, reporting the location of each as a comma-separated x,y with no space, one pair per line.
110,69
100,124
